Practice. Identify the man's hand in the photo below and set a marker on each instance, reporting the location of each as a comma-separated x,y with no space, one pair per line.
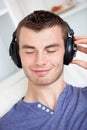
81,40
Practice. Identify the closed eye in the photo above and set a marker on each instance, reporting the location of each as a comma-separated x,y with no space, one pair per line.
30,52
28,49
51,51
52,48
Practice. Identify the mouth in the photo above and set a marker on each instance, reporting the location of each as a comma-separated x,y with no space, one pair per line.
41,72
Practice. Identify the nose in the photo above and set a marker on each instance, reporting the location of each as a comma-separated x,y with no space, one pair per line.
41,59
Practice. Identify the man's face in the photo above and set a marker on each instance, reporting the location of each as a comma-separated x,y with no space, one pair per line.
42,54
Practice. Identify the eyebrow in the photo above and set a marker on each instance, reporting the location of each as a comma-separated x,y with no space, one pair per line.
53,45
32,47
27,47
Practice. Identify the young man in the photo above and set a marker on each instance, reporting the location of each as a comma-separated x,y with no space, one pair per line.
50,103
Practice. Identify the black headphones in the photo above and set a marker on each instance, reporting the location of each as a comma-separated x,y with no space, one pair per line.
14,51
70,49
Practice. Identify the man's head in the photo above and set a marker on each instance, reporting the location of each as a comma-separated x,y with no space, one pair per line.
40,20
39,46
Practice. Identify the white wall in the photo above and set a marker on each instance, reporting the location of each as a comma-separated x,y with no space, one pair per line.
6,28
5,62
27,6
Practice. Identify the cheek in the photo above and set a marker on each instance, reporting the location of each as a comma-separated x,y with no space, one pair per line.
58,58
26,60
58,61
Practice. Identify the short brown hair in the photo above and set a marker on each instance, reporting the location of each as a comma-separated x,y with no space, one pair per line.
41,19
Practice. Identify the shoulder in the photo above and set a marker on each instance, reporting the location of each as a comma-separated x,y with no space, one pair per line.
11,112
84,91
81,95
80,91
84,94
10,117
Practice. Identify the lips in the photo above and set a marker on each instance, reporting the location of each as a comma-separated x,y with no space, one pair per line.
41,72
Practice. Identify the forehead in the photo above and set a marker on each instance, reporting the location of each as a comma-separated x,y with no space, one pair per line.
44,37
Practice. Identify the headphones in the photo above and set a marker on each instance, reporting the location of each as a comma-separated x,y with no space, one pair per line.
70,49
14,51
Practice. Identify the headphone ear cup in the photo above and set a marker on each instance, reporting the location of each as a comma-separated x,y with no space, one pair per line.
70,49
14,53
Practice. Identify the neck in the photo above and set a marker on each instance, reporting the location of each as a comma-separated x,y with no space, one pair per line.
47,95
